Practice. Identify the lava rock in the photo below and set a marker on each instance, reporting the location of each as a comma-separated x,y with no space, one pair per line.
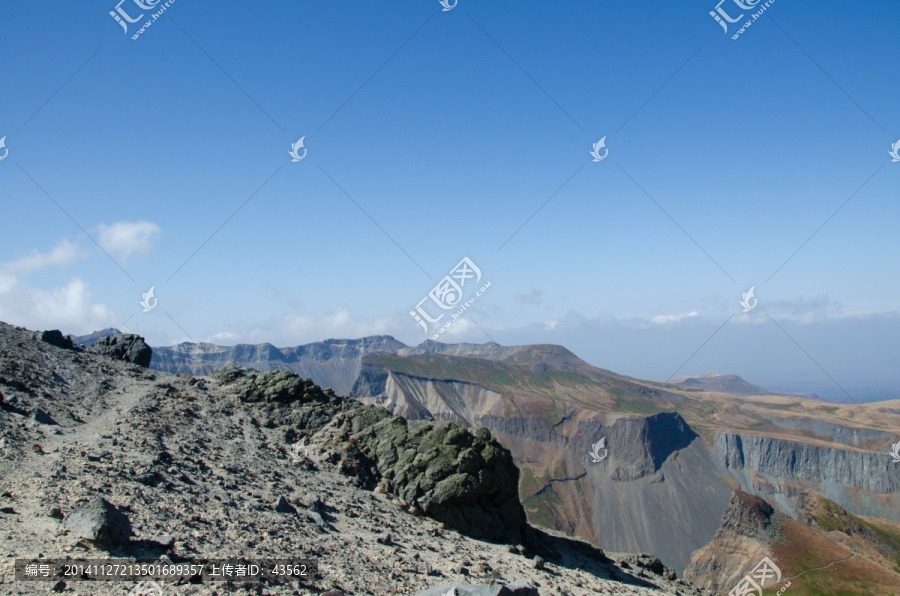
55,337
537,562
128,347
42,417
99,521
282,506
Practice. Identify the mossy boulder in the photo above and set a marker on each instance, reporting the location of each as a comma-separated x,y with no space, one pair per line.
465,479
468,481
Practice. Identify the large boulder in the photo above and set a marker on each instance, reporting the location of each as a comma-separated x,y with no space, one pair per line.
128,347
468,481
99,521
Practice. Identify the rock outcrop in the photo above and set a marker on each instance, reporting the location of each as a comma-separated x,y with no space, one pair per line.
128,347
467,481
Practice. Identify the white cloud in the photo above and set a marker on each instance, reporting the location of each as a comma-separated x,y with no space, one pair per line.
222,337
665,319
68,308
339,324
64,253
125,238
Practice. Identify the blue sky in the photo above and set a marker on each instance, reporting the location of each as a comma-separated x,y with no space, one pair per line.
434,135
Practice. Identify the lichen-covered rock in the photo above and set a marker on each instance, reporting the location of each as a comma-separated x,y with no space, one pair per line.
467,481
128,347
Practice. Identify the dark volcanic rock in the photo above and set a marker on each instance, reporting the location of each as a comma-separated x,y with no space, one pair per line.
42,417
128,347
99,521
55,337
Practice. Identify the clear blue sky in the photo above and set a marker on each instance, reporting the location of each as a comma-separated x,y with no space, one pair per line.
450,129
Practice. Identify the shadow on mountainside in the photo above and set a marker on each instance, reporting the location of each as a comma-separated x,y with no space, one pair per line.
574,553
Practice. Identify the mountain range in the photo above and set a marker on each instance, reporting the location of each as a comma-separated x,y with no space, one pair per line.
675,455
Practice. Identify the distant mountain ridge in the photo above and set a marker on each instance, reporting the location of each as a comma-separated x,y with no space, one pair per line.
732,384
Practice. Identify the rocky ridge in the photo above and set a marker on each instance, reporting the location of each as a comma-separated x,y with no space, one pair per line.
210,467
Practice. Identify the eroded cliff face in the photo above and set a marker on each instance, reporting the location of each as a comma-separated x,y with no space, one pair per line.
656,477
864,483
332,363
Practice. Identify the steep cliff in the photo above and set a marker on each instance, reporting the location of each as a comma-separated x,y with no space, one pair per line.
864,483
331,363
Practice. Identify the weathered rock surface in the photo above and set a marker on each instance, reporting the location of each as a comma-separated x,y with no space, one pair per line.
127,347
55,337
100,521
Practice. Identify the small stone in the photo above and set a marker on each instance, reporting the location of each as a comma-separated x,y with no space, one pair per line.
96,455
37,448
385,540
59,586
317,518
537,562
164,541
282,506
148,478
55,512
8,509
42,417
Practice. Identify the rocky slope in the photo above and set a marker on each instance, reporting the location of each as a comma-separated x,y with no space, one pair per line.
826,551
667,479
103,458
